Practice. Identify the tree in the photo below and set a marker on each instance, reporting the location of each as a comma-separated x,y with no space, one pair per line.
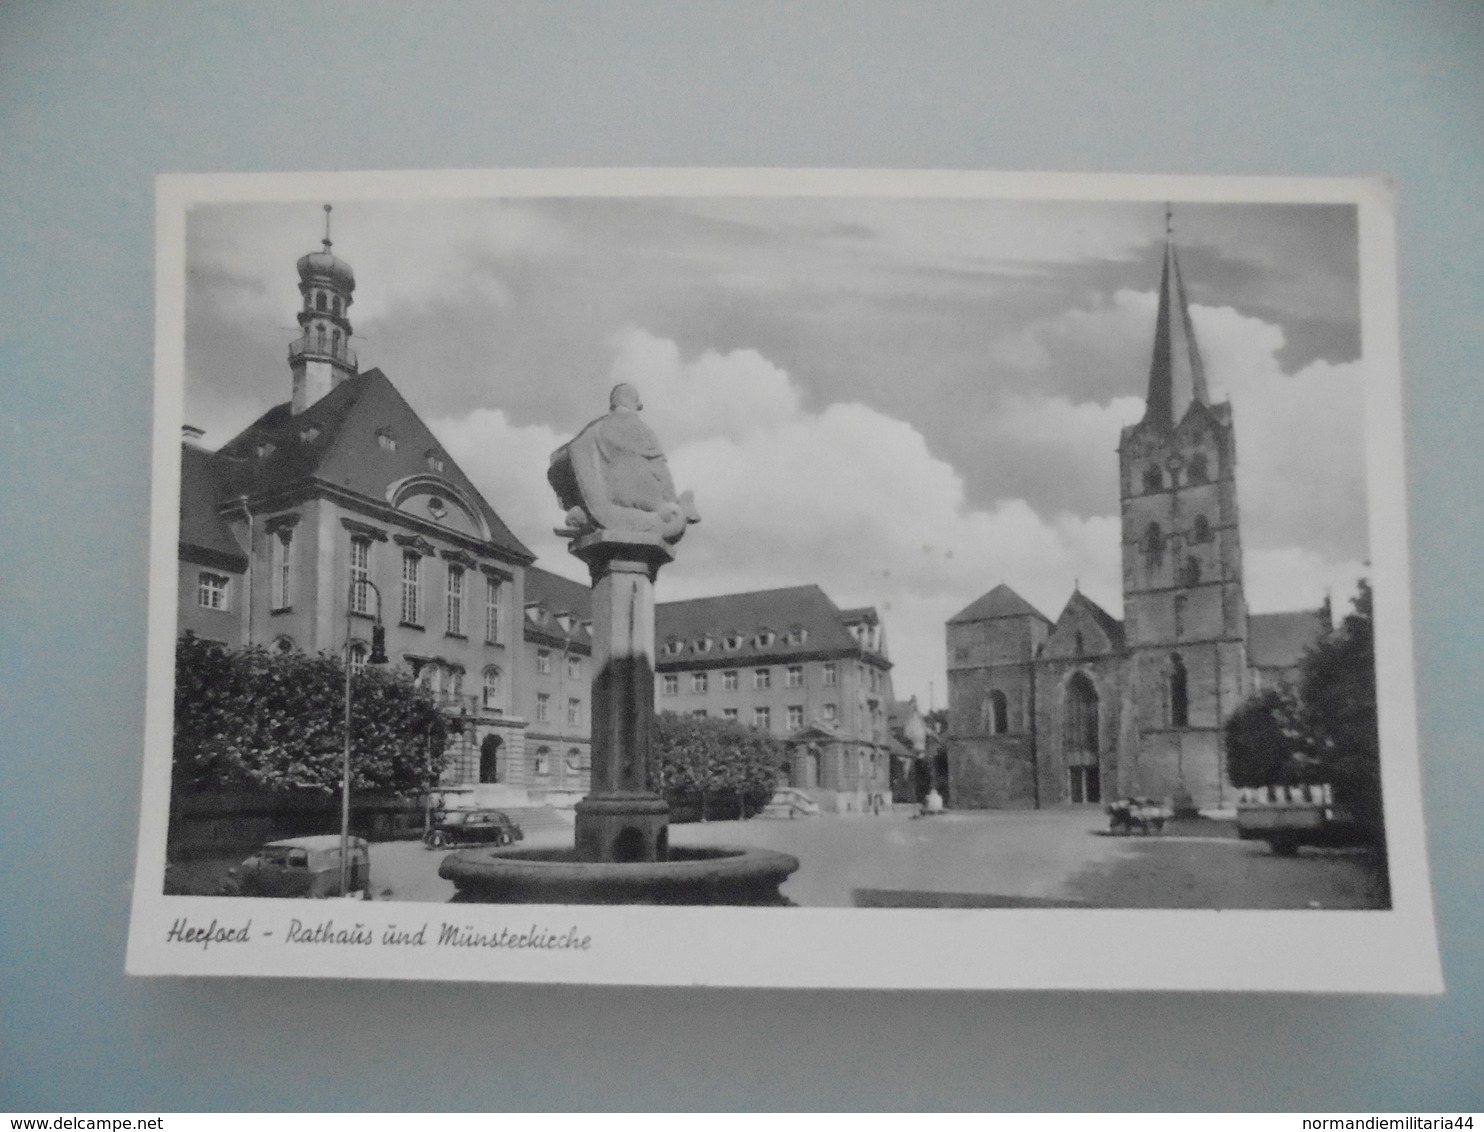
1337,694
713,765
1265,743
254,718
1325,730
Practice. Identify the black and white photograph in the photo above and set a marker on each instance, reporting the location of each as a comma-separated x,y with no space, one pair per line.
1007,570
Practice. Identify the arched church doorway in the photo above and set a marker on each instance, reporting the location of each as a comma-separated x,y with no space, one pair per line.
1080,740
489,759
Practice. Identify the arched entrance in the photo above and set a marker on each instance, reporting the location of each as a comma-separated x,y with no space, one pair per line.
489,758
1080,740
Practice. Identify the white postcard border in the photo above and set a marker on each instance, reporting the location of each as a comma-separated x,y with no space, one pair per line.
1391,950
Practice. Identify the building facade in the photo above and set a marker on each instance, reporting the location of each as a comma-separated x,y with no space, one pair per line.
557,691
338,509
1086,707
790,662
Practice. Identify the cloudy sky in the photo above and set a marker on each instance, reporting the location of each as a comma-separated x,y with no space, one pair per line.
905,401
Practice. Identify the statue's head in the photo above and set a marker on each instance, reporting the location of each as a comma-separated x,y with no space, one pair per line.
625,396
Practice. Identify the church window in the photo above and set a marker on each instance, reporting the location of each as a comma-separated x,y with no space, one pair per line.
999,713
335,343
337,306
1154,479
1080,644
1179,615
1190,573
1080,720
319,300
319,337
1154,546
1202,530
1179,694
1199,469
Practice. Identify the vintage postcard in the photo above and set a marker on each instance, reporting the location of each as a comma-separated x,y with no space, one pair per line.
781,578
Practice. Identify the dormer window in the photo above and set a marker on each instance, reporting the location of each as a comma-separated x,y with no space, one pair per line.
435,461
673,648
533,612
798,635
309,433
703,644
765,639
265,448
564,619
732,641
386,440
1154,479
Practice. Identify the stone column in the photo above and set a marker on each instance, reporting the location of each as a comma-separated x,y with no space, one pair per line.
622,819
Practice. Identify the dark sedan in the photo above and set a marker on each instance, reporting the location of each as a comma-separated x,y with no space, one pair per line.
472,827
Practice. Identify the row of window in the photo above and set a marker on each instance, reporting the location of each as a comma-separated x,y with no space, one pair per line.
543,664
732,641
543,709
762,717
762,678
458,597
1197,470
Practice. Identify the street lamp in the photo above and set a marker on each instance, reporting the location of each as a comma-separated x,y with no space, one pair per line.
378,656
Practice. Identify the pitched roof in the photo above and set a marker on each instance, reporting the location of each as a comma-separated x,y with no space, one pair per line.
1001,601
557,595
1279,640
201,494
802,607
1109,624
344,451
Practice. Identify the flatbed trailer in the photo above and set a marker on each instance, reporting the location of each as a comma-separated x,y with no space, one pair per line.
1287,817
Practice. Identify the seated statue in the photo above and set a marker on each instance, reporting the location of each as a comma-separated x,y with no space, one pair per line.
612,477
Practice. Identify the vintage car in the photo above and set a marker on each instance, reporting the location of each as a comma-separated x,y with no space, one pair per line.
472,827
301,866
788,802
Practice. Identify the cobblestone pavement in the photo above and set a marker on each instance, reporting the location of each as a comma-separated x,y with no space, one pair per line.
986,859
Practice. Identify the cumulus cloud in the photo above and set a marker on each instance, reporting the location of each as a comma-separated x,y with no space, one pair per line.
1300,436
846,497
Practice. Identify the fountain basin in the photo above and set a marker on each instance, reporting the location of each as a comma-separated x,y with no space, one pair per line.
696,876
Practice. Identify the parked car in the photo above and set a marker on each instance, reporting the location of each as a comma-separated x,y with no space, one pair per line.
788,802
472,827
301,866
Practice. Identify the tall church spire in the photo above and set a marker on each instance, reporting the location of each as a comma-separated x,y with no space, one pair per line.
1176,375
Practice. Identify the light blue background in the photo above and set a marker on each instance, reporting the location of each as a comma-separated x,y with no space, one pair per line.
95,99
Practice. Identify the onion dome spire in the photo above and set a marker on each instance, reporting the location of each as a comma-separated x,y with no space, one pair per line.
321,358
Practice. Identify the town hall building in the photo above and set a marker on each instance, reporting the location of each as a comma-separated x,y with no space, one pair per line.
1086,707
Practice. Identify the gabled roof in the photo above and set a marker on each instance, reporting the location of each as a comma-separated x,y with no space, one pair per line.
202,493
1001,601
557,595
1080,605
344,450
1279,640
804,607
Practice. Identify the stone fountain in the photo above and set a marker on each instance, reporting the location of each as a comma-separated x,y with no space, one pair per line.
623,521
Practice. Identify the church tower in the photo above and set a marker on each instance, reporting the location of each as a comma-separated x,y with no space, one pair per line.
1185,616
321,357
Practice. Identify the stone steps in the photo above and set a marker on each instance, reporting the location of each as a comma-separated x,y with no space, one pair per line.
538,819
